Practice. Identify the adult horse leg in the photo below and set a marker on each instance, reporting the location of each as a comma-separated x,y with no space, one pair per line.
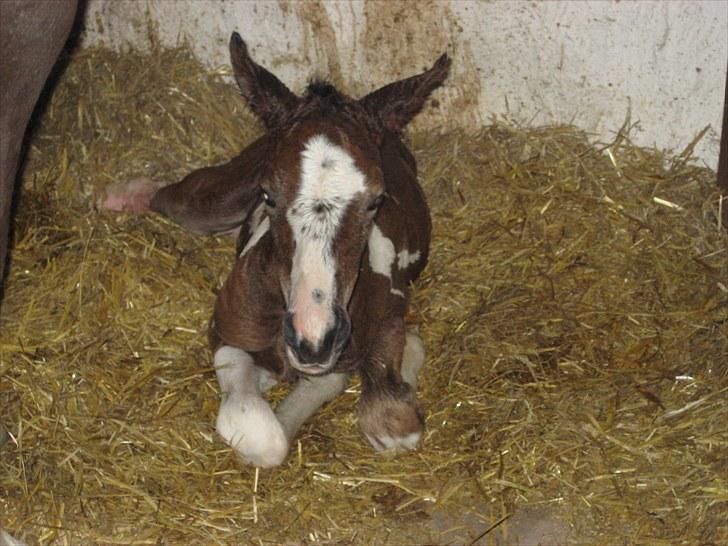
31,37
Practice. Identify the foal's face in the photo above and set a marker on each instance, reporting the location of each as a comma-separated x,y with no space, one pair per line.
321,193
322,182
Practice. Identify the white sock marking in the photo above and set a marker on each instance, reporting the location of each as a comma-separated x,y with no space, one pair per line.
9,540
246,421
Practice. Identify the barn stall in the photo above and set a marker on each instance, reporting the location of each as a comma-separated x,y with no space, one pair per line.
574,308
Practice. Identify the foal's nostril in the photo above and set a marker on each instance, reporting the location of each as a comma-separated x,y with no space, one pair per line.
334,339
307,355
328,343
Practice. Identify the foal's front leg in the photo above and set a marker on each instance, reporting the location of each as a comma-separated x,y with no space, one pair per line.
246,420
389,414
305,399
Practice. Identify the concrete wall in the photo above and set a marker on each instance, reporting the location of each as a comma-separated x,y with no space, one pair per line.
582,62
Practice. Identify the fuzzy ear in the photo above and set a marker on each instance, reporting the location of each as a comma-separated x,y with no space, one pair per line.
397,103
266,94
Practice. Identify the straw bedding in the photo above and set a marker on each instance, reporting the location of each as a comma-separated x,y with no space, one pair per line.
574,311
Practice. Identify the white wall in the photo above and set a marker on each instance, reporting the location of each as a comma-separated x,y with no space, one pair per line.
576,61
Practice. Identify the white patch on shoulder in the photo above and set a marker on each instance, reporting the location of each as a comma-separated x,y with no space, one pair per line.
381,252
406,259
261,230
382,257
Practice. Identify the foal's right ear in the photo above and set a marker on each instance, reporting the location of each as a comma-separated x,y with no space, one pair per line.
266,94
394,105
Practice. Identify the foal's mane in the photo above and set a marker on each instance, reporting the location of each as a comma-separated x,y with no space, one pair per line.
322,98
323,93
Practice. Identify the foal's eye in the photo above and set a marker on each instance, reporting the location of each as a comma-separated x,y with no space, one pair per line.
376,202
267,199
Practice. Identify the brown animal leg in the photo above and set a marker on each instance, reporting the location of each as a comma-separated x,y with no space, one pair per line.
209,200
132,196
31,37
389,414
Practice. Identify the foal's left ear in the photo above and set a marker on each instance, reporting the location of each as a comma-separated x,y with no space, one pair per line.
267,96
397,103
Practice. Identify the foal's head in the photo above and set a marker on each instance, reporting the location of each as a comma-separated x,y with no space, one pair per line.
322,184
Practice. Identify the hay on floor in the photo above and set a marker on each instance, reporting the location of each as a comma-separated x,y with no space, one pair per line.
574,311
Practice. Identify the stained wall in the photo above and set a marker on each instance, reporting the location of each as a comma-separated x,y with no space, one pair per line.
583,62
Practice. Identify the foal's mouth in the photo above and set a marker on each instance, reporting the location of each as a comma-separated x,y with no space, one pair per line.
319,357
311,369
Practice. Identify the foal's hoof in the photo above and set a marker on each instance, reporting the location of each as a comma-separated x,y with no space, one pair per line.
395,443
251,428
392,423
132,196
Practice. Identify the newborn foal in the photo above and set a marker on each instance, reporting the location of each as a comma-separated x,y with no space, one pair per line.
333,229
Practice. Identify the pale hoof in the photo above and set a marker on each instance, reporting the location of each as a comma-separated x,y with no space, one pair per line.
395,443
392,423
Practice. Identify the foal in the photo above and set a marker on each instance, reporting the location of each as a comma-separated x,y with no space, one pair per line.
333,229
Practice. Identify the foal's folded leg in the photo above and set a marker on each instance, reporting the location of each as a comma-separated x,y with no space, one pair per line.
309,394
246,420
209,200
389,414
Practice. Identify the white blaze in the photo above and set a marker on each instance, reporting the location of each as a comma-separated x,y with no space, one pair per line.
329,181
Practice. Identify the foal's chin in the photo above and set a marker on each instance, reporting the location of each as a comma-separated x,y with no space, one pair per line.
312,369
